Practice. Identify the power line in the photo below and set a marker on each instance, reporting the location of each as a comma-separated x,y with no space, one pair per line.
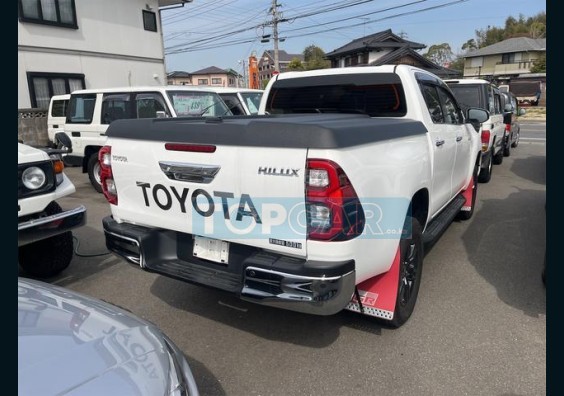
247,40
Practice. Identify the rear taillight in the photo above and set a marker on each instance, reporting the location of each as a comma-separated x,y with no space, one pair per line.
485,140
106,176
333,209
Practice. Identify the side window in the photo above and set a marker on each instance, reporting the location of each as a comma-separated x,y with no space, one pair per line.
59,108
433,103
233,104
147,105
497,103
116,107
491,105
452,113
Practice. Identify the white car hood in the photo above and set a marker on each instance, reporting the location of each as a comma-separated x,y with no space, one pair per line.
30,154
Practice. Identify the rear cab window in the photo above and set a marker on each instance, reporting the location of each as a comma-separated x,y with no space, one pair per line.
377,95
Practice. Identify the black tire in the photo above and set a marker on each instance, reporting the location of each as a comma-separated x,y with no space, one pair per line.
507,147
486,173
94,172
48,257
467,215
498,158
411,269
516,142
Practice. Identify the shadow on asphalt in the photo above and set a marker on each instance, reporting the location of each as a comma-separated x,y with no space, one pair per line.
509,253
531,168
205,380
265,322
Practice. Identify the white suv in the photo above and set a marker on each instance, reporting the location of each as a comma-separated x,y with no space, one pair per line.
483,94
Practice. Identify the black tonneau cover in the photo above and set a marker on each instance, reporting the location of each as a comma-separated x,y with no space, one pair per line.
320,131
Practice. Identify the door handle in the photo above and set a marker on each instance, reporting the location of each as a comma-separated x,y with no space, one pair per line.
458,138
439,142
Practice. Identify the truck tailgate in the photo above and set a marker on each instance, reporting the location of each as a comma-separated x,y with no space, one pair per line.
247,195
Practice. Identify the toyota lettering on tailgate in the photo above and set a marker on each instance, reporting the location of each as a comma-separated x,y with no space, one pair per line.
165,197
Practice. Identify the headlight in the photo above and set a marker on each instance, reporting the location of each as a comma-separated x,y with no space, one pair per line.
33,178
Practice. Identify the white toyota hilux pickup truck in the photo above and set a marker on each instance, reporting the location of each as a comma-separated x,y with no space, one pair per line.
323,202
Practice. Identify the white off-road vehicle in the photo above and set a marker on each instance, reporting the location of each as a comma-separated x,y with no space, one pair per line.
45,240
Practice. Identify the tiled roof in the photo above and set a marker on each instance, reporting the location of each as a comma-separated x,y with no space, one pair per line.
517,44
178,74
210,70
425,63
383,39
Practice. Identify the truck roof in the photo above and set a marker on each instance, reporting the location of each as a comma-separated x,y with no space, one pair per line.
143,88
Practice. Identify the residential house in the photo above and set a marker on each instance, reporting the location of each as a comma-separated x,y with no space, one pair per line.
266,63
65,45
508,58
509,62
384,48
179,78
214,76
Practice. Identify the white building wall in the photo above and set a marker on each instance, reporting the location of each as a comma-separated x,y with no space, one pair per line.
373,55
110,47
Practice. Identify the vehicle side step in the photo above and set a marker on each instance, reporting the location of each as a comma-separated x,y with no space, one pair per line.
440,223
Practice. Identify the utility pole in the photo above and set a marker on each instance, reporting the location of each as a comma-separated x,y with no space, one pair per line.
275,15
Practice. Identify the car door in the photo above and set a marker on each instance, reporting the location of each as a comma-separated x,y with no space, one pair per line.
496,118
443,141
455,121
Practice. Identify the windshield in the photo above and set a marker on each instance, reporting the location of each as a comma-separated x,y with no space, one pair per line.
196,104
81,109
252,100
468,95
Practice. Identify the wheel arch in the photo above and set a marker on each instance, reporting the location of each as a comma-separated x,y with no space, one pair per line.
419,206
88,151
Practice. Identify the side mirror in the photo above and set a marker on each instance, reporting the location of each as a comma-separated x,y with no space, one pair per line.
161,114
476,116
64,140
522,112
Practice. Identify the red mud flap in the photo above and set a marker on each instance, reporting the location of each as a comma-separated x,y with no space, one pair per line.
378,294
467,194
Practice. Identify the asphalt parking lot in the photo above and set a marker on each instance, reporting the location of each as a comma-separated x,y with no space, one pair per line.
479,327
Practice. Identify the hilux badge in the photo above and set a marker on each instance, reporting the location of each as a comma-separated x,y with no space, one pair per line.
269,171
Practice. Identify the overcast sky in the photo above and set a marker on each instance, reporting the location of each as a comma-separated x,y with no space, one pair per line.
222,33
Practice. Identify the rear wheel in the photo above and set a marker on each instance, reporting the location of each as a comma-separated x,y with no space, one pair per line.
410,271
94,172
516,142
507,147
49,256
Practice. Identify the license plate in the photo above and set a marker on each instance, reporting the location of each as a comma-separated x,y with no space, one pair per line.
211,249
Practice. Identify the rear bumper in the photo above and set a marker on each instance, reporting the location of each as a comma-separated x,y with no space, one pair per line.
321,288
45,227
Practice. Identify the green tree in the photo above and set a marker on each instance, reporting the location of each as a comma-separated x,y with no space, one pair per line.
469,45
295,65
457,64
441,54
533,27
539,66
314,58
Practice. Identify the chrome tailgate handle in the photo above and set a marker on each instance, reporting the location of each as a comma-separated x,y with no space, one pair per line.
183,171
